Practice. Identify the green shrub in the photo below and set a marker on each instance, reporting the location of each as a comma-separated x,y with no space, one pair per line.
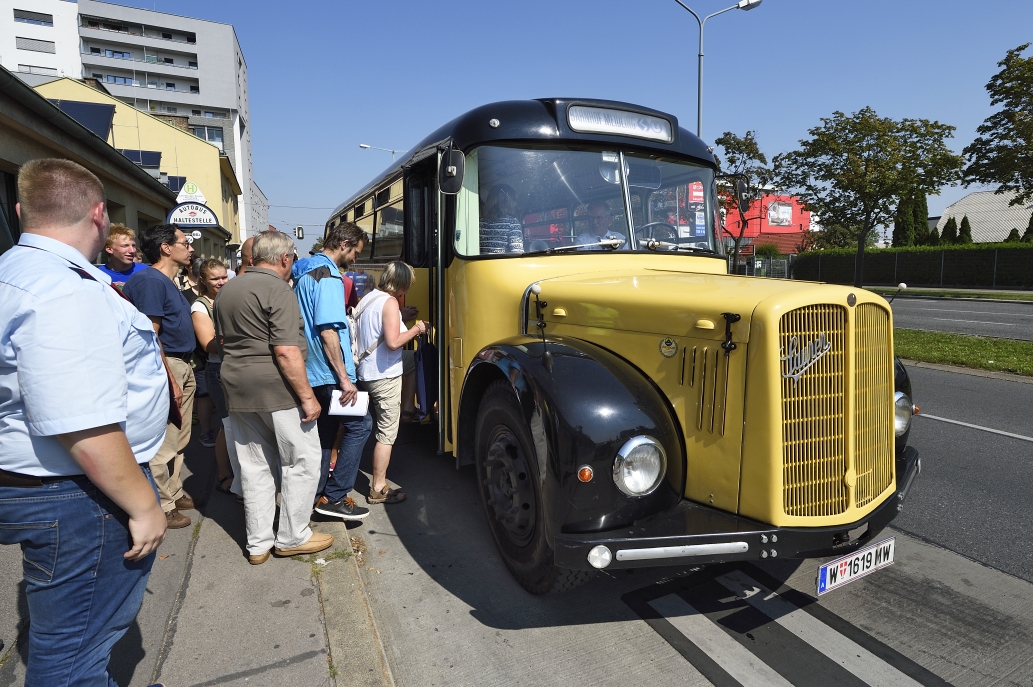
975,265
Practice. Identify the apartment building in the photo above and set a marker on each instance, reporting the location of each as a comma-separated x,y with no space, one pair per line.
160,63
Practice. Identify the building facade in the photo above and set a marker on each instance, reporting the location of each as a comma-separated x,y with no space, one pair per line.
991,215
159,63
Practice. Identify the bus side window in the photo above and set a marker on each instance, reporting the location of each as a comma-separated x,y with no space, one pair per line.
388,242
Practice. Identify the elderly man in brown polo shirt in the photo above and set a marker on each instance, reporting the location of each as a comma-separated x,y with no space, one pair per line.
271,404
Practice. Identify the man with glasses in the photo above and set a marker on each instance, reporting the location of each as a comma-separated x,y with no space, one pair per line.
155,294
599,220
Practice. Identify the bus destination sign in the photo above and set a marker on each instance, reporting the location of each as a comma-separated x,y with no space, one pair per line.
193,215
603,120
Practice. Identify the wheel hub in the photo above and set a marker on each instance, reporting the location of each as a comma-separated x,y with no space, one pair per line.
508,481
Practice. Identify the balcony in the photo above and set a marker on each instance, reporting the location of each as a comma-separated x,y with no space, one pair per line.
109,26
148,64
138,92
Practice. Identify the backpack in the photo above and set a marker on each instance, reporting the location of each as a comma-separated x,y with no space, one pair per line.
353,330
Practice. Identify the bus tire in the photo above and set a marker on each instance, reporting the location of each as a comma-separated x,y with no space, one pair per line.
508,476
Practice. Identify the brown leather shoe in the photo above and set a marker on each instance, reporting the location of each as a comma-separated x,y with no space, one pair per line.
175,520
259,559
317,542
185,503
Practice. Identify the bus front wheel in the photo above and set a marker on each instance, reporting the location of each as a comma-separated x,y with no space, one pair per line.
509,484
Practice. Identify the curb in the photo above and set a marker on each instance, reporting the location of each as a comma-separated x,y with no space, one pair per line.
971,371
958,298
356,649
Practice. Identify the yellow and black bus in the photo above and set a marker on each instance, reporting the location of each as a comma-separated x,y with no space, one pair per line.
624,400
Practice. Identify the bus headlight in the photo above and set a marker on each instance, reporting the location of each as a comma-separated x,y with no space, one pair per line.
903,409
639,466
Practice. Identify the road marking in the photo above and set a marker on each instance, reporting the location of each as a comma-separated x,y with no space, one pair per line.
737,661
976,312
854,658
951,319
1020,437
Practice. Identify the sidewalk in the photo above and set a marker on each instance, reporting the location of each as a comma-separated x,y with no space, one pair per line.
210,618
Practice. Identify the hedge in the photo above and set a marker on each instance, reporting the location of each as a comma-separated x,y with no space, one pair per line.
994,265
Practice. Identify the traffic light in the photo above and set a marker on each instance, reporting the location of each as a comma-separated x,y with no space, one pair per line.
299,232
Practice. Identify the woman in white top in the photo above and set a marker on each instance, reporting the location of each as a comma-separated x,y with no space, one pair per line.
211,277
380,373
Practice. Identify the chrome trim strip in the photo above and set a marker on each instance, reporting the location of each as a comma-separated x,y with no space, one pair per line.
525,307
682,551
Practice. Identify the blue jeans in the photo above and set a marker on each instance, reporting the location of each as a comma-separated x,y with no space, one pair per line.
335,486
82,594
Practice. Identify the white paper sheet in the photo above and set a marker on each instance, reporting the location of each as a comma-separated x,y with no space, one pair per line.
359,409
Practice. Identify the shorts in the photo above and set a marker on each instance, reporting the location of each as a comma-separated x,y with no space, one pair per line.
385,402
202,386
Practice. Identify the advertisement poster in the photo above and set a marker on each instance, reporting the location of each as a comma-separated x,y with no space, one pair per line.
780,214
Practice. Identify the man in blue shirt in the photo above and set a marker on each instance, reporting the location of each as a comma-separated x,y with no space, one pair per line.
83,406
330,367
120,249
154,293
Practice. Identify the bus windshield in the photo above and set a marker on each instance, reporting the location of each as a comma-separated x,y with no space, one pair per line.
517,201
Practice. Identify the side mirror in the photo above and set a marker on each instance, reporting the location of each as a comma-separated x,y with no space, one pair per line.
742,195
450,174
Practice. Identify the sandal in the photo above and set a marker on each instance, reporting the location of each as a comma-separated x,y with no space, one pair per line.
223,487
385,495
409,416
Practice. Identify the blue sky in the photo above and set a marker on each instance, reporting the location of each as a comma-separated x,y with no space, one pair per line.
327,76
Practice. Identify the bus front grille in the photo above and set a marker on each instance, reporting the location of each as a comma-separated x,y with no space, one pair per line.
814,438
873,403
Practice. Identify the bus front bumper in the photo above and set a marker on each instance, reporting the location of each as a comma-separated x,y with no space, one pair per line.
691,534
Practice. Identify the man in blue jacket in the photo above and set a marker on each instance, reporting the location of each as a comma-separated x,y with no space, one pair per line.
330,366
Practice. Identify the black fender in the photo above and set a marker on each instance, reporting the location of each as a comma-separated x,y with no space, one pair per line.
902,382
581,405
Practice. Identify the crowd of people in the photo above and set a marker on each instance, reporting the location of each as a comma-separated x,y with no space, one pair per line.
288,377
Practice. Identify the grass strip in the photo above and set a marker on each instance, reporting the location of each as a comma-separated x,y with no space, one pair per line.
998,355
963,293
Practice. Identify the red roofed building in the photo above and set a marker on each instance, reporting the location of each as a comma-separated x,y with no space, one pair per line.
772,219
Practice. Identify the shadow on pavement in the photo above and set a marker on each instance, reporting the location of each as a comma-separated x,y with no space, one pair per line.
443,527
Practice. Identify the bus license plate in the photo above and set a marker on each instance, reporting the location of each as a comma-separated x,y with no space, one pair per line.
845,570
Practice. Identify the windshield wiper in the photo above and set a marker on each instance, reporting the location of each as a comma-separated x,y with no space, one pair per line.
653,244
612,244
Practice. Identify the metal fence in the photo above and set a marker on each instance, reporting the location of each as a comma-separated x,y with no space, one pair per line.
776,268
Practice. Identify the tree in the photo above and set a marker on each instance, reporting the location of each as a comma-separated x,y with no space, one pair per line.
904,224
934,238
742,158
767,250
838,236
1013,236
317,246
950,232
920,212
965,232
853,168
1002,153
1028,236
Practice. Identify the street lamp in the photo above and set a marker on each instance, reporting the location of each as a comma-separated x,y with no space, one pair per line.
388,150
745,5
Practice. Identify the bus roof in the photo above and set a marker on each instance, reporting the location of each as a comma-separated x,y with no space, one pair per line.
543,120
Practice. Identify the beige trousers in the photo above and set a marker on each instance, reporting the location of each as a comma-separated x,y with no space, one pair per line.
167,463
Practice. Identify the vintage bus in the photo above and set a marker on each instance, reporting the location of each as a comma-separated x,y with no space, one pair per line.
625,401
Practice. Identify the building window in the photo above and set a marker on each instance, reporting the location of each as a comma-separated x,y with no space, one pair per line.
192,65
37,18
99,77
196,113
212,134
195,89
169,86
118,54
168,60
94,51
176,183
35,45
167,36
172,110
120,80
191,38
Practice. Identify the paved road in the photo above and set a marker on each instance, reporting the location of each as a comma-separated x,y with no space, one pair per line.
964,316
449,613
974,496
